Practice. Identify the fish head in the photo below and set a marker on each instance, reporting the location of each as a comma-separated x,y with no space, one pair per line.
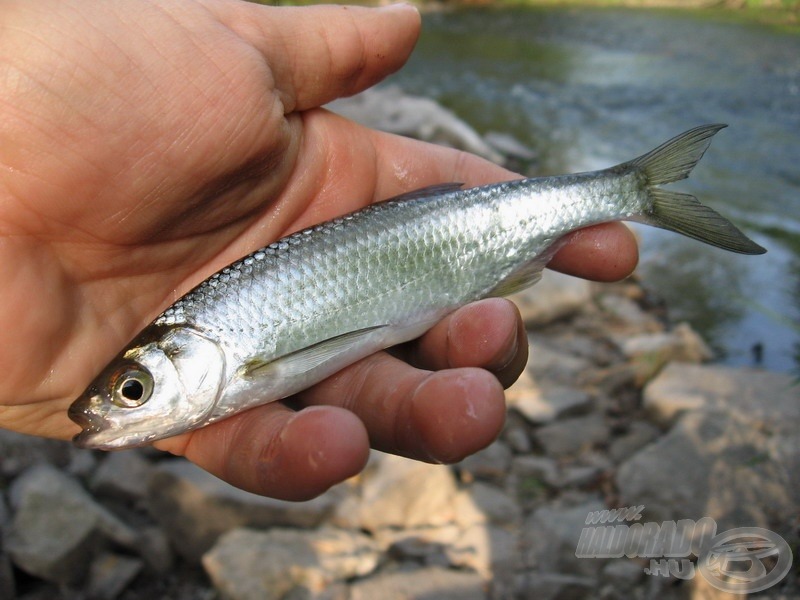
166,382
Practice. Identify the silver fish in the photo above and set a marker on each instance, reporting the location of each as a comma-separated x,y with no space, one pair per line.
297,311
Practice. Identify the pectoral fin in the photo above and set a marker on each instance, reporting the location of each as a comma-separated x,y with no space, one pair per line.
302,361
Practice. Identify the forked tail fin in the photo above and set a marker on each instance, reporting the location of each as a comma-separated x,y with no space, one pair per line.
682,213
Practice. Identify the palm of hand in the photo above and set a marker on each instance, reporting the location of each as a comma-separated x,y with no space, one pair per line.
168,153
144,146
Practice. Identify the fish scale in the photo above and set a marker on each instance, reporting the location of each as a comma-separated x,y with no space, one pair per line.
288,315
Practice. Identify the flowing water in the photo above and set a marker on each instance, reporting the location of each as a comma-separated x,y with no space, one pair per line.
588,88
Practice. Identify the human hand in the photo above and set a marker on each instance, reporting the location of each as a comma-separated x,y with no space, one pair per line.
145,145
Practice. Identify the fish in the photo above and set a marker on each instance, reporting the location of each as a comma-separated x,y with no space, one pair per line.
302,308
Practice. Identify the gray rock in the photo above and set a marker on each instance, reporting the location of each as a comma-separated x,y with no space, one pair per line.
556,586
550,538
638,435
489,464
712,464
570,437
493,552
122,475
682,344
545,403
57,527
397,492
555,297
579,476
194,508
110,574
7,583
515,434
624,316
389,109
421,584
537,468
769,400
497,505
510,146
262,565
623,573
20,451
548,364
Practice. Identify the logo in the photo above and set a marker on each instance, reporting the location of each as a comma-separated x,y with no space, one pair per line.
741,560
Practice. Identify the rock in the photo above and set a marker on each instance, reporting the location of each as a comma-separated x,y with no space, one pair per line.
493,552
638,435
570,437
122,476
624,316
556,586
510,146
769,400
550,538
555,297
489,464
545,403
194,508
247,564
110,574
57,527
397,492
712,464
548,364
623,574
7,583
580,476
498,506
389,109
20,451
515,434
421,584
537,468
681,344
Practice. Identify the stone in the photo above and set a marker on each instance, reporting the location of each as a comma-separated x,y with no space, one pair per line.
570,437
548,364
713,464
769,400
110,574
401,493
489,464
194,508
544,403
624,316
492,552
421,584
623,573
681,344
122,476
246,564
390,109
497,505
637,435
540,469
555,296
550,538
58,527
515,435
510,146
556,586
21,451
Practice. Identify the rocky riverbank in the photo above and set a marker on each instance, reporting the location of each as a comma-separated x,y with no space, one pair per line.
617,408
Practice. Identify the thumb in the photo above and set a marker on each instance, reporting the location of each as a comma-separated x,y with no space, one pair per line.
319,53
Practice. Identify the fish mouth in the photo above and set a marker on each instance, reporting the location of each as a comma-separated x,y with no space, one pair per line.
81,412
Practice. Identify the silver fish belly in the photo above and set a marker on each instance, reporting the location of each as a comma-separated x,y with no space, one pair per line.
295,312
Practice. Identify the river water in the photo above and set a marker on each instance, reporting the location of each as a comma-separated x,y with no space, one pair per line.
588,88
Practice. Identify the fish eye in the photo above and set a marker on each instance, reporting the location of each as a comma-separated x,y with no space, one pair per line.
132,388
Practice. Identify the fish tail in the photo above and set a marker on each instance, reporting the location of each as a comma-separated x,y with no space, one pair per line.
683,213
